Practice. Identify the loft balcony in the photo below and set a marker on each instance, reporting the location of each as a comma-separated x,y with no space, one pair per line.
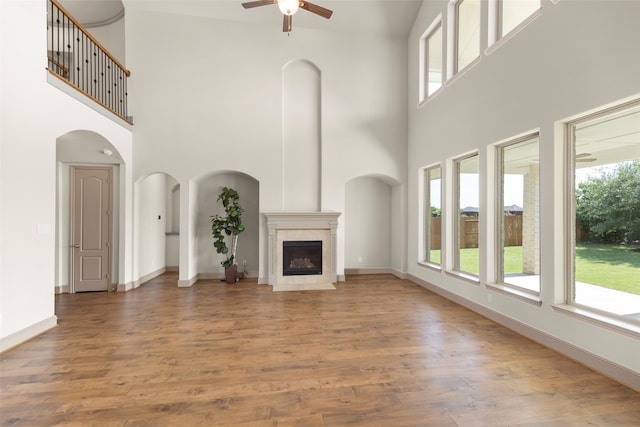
77,59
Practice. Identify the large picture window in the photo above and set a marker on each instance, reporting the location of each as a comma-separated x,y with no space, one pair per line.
433,215
466,214
604,160
519,213
467,33
432,60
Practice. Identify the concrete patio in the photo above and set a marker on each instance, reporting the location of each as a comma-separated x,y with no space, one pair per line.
610,300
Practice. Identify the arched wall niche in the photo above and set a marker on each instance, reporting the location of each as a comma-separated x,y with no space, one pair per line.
301,136
208,187
372,221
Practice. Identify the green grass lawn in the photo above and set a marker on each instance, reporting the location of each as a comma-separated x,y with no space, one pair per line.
434,256
612,266
512,260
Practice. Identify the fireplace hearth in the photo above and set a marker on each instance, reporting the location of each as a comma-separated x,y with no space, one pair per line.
302,257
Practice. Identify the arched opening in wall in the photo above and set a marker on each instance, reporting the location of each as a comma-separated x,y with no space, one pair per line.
208,262
157,217
88,212
372,225
172,252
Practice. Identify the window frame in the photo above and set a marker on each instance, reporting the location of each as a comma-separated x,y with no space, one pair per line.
500,20
427,217
436,25
455,39
499,209
495,19
566,303
455,215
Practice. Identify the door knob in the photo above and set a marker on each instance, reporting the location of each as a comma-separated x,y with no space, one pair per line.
77,246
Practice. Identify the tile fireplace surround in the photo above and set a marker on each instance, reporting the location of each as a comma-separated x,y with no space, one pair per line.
300,226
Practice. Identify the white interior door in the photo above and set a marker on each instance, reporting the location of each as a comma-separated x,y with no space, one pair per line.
90,228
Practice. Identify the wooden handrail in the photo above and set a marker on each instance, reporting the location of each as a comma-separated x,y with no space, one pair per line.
79,60
93,39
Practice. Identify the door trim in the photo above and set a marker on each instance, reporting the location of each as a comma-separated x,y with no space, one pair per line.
72,218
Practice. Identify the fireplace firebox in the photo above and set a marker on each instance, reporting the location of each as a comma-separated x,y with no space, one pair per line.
302,257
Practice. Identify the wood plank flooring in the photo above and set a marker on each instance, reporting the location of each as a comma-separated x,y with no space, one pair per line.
377,351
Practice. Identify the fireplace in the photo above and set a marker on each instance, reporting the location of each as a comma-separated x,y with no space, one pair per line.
298,228
301,257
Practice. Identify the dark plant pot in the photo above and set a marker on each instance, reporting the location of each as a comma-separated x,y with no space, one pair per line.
231,273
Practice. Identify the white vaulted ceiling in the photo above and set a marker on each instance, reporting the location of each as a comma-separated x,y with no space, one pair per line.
386,17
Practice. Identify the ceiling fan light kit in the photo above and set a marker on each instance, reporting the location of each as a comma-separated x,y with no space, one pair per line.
289,8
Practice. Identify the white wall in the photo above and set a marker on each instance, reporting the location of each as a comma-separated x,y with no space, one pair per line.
215,104
151,227
209,187
112,37
38,115
573,58
368,234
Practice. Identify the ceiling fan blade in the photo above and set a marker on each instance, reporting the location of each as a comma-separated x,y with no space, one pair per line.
251,4
318,10
287,22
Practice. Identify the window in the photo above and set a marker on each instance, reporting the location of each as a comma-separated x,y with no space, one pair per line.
467,33
604,218
431,60
512,13
433,215
519,213
466,215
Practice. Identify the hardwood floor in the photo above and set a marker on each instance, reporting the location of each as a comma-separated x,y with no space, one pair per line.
377,351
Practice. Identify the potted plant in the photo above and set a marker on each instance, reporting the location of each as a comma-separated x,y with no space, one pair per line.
226,229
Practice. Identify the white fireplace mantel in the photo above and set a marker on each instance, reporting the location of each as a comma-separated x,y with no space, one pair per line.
302,226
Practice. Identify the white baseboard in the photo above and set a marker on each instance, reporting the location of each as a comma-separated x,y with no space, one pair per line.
610,369
125,287
62,289
149,276
24,335
188,283
172,268
377,270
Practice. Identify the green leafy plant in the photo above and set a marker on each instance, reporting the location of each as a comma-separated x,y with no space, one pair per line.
226,228
608,204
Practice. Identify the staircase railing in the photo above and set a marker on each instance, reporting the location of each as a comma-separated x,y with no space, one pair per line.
78,59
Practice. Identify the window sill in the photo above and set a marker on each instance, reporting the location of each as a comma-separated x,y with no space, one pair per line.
610,322
430,265
511,34
452,79
426,100
465,276
516,293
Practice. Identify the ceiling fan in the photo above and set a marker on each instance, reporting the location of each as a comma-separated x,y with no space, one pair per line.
289,8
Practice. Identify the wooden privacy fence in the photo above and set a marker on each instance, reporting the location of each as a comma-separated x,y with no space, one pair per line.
469,231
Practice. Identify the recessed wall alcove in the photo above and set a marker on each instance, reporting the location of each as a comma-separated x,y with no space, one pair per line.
301,143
